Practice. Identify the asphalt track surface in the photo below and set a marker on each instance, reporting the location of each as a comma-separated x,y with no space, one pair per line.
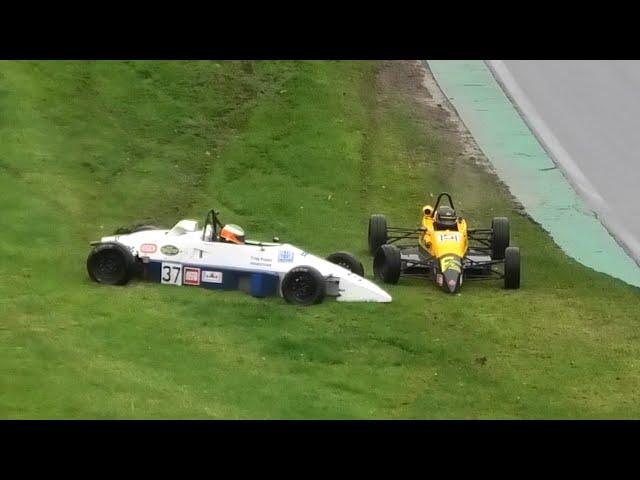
544,184
586,114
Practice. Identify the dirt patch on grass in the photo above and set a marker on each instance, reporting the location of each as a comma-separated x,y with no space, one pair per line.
413,80
414,83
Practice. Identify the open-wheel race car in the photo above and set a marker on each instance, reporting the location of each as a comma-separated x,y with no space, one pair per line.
217,256
444,249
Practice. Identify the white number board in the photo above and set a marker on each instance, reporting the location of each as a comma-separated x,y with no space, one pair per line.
171,273
449,236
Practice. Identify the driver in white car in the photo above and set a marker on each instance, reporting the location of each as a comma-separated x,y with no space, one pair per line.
232,234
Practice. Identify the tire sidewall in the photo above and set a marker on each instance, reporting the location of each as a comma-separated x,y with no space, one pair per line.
387,263
288,284
377,234
512,268
348,261
127,266
500,237
144,228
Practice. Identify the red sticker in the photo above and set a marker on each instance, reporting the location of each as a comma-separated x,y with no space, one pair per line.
148,247
191,276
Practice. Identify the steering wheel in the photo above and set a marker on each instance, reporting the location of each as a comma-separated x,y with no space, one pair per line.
212,219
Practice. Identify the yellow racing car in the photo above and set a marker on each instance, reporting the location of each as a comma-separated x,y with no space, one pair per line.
446,251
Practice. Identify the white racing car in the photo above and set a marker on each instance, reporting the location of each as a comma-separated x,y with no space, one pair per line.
218,256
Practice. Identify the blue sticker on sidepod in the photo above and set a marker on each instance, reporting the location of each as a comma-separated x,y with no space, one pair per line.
285,256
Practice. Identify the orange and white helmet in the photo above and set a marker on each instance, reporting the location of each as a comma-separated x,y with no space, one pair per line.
232,233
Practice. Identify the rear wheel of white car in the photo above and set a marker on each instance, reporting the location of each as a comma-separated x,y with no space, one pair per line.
512,268
348,261
377,232
387,264
111,264
303,286
143,228
139,228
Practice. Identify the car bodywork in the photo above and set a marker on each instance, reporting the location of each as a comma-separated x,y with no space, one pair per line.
448,256
187,255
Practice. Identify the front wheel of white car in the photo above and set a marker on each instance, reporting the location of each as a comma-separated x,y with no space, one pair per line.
303,286
348,261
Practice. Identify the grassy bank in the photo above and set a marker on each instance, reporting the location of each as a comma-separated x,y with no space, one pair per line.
305,151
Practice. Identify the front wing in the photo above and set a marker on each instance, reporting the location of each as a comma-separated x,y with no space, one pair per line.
475,265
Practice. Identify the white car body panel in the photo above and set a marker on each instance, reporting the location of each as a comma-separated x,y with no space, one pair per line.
216,263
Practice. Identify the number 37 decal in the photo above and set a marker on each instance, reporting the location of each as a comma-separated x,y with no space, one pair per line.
171,273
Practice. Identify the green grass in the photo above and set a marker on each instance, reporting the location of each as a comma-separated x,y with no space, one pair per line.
306,151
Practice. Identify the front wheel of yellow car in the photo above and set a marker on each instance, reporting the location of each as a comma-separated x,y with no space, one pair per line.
387,264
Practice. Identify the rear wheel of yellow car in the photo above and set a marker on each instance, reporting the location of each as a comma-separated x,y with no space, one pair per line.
499,237
377,232
512,268
387,264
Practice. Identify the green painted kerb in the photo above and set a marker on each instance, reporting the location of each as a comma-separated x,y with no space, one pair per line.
522,163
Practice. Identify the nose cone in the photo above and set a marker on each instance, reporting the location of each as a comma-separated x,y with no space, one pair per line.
451,280
357,289
383,297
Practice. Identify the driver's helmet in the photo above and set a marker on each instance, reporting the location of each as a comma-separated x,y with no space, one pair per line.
232,233
446,218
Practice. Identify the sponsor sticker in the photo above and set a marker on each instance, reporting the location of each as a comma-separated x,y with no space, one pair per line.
191,276
439,279
450,263
285,256
449,236
211,277
148,248
452,283
169,250
260,261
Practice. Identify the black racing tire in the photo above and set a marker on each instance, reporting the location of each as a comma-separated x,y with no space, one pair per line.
140,228
348,261
387,264
512,268
500,237
377,235
143,228
303,285
110,264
